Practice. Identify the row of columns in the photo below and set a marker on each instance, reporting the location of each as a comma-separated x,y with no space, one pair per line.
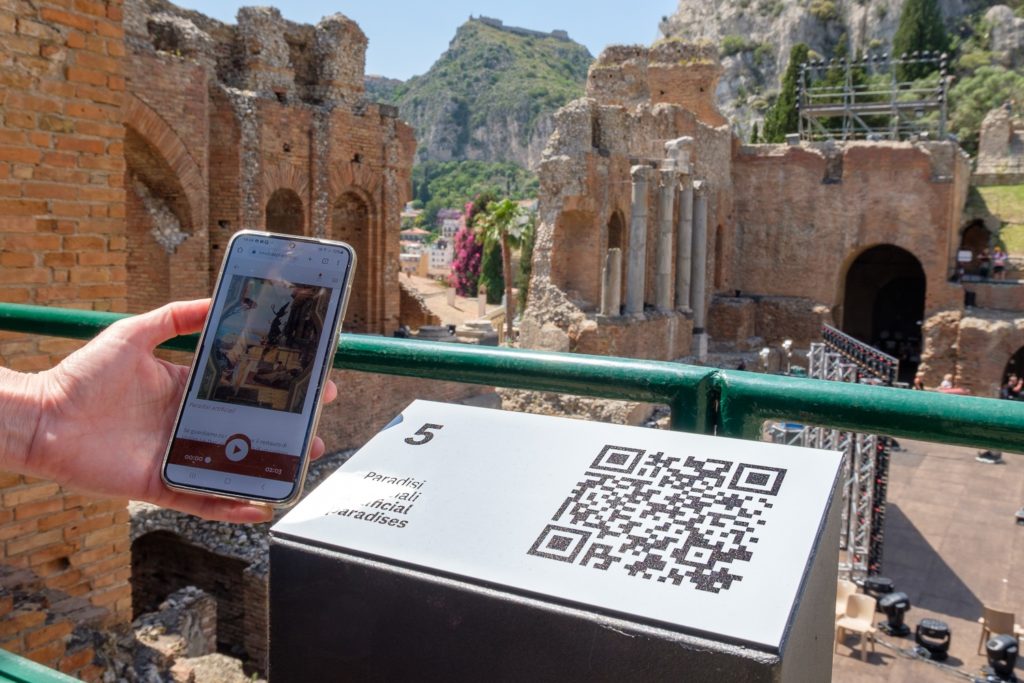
689,234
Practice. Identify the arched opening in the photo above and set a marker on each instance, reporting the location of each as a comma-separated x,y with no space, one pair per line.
1014,366
350,222
883,304
975,239
576,261
285,213
618,238
157,222
162,562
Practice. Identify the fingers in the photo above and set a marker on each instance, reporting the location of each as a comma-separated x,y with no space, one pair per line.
171,320
219,509
317,449
330,391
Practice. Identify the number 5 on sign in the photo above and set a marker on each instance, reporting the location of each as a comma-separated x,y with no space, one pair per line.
423,434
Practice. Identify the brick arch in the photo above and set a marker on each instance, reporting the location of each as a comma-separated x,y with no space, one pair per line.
349,175
287,176
354,220
137,115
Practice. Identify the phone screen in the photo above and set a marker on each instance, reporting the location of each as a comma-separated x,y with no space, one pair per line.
248,414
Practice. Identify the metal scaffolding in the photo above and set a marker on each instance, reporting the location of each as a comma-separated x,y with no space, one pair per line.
841,358
867,99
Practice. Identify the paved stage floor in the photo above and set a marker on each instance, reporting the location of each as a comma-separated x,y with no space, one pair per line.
951,544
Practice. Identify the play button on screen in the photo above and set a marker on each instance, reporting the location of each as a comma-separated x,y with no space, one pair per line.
237,447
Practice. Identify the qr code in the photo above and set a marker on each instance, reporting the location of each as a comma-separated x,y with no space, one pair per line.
664,518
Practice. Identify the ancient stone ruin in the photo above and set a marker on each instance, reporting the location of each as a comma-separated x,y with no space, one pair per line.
660,234
138,137
1000,148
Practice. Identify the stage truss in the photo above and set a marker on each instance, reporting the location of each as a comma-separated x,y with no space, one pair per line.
868,99
841,358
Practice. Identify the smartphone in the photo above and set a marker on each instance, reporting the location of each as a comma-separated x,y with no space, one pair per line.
251,406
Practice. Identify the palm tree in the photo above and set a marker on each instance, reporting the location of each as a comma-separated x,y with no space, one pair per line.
502,221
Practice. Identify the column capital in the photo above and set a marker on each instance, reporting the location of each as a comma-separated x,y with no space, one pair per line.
700,188
640,173
680,150
668,177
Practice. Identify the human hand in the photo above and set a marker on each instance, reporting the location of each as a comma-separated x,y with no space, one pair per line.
108,409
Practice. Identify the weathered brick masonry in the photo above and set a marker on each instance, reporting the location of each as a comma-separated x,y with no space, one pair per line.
62,242
845,234
134,141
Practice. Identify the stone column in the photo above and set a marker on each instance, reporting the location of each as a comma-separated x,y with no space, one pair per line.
679,150
636,263
684,242
663,294
698,277
611,283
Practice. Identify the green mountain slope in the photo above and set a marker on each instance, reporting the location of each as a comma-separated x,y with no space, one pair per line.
491,95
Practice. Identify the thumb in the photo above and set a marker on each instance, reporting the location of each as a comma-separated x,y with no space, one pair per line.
171,320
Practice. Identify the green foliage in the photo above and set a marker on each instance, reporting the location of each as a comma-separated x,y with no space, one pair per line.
755,136
503,223
970,62
1005,202
921,29
771,8
450,184
824,10
732,45
974,96
526,263
491,279
488,76
380,89
782,116
763,54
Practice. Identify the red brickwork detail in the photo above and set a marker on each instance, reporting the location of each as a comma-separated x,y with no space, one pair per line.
61,215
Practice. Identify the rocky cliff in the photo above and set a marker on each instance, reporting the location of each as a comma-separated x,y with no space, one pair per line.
492,94
755,37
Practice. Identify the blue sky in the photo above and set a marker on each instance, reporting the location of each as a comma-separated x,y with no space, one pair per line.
407,37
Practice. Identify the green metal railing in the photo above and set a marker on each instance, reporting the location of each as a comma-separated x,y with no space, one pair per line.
703,400
15,669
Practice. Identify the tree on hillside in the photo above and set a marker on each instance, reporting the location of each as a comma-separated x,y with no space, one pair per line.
492,277
975,96
921,29
526,261
782,117
502,222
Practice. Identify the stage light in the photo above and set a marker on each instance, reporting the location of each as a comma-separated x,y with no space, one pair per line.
1001,651
933,637
895,606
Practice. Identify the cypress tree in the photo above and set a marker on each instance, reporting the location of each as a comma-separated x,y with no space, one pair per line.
782,117
920,30
491,277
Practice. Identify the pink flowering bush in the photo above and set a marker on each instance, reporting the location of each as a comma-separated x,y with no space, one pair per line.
466,263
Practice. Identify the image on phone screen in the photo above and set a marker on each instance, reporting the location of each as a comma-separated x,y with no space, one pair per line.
249,411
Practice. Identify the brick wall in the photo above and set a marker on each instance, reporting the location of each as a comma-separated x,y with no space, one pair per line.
62,242
163,563
414,311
